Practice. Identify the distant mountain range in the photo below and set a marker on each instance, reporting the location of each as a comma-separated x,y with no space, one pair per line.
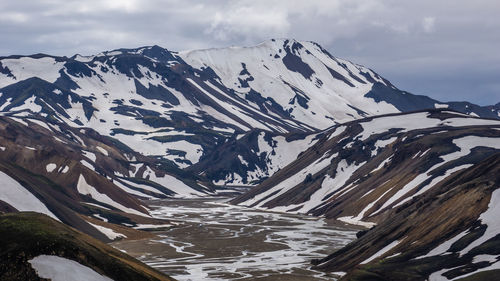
83,138
181,106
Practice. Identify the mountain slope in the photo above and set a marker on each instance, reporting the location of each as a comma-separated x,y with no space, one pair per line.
311,84
357,171
247,159
76,176
451,232
426,181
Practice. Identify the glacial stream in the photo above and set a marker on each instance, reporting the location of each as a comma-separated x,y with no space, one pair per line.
217,241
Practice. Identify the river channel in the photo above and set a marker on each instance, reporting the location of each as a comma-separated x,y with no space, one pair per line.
217,241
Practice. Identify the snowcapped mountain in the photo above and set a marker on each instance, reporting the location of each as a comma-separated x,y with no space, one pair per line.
357,171
180,106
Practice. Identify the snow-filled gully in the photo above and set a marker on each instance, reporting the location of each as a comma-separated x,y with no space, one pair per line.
218,241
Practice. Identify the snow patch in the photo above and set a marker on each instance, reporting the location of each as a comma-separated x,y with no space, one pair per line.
14,194
381,252
110,233
438,105
50,167
86,189
102,150
61,269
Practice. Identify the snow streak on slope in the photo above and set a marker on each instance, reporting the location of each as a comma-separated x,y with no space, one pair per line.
14,194
86,189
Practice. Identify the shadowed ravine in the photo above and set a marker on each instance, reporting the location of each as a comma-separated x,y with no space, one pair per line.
223,242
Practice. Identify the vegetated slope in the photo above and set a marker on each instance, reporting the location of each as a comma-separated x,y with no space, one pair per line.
31,240
182,107
448,233
81,178
358,171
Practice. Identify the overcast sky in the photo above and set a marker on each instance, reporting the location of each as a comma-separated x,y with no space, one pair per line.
449,50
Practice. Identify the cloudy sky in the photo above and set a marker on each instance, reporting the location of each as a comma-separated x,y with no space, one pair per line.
449,50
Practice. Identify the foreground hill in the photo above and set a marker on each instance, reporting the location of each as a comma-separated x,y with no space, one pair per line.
36,247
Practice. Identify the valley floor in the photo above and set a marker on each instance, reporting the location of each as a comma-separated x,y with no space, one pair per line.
218,241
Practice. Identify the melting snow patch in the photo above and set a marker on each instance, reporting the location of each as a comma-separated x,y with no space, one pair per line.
46,68
329,185
437,105
152,226
40,123
290,182
51,167
61,269
64,169
356,221
444,247
381,165
100,217
19,120
483,258
242,161
89,155
102,150
14,194
87,164
490,218
337,132
381,252
382,144
434,182
132,191
110,233
28,104
416,121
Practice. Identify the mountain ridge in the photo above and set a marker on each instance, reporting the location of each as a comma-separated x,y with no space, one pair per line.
185,104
